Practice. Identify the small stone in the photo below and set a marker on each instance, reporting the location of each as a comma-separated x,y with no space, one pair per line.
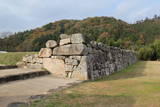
45,53
51,44
65,41
77,38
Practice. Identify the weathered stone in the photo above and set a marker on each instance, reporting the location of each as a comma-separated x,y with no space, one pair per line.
21,64
58,57
34,66
75,57
65,41
71,49
30,60
39,60
64,36
81,72
55,66
94,44
51,44
68,67
77,38
45,53
71,61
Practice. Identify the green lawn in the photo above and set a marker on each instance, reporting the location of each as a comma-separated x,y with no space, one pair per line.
12,58
136,86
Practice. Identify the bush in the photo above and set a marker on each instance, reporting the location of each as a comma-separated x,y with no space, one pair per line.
150,52
145,53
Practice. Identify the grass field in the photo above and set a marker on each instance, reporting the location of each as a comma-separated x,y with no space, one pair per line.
136,86
12,58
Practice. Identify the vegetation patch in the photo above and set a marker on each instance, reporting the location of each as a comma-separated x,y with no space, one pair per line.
12,58
136,86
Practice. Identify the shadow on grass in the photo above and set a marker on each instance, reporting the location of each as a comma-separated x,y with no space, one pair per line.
132,71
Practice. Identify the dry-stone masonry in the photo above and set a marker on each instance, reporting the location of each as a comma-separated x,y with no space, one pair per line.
31,61
73,57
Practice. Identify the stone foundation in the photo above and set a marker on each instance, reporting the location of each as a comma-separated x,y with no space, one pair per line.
73,57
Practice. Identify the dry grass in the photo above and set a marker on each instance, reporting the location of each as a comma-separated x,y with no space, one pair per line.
136,86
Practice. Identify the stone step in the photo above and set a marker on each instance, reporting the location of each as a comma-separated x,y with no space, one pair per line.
9,75
24,91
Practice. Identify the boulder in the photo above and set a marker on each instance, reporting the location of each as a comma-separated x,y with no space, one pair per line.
71,49
64,36
45,53
77,38
51,44
65,41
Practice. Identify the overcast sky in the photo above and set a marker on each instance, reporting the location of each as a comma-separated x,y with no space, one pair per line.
19,15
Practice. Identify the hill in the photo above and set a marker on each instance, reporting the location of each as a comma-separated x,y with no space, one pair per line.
104,29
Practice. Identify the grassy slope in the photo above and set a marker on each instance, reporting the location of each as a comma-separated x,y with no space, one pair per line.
136,86
12,58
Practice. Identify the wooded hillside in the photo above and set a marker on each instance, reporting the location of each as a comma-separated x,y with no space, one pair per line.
108,30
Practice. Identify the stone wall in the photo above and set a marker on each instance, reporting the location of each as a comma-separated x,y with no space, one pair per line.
74,57
31,61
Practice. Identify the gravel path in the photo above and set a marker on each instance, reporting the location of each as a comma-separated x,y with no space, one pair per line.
22,90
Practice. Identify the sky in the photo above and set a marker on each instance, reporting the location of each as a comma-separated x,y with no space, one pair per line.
20,15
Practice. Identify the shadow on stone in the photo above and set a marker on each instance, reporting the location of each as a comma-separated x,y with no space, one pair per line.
7,67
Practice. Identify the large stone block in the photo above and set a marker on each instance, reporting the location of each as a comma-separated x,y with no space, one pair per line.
71,49
65,41
77,38
45,53
54,66
51,44
64,36
81,72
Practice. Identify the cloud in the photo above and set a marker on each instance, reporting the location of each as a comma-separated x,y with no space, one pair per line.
18,15
125,6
